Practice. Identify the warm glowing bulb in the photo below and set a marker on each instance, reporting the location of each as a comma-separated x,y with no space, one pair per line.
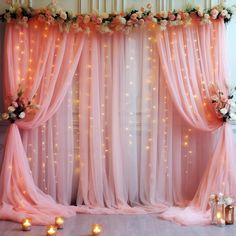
218,215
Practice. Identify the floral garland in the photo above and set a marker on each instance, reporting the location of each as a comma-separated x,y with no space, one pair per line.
18,107
225,108
52,14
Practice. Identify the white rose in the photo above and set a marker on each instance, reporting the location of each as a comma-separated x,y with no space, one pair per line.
178,17
14,104
5,116
224,13
164,14
11,108
232,116
214,13
154,20
228,201
104,15
215,98
223,111
206,16
63,15
228,16
122,20
22,115
200,13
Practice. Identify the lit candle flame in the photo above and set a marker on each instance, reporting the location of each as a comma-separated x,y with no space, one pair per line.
218,215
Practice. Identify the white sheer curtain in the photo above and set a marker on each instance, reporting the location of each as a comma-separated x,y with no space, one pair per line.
124,142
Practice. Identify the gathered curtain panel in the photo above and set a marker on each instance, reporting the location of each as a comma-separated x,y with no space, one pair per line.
134,133
193,61
43,61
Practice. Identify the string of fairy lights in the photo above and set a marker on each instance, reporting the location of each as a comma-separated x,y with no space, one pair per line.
140,113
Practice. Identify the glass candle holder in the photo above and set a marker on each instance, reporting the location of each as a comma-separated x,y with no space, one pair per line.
59,221
51,230
96,229
218,210
26,224
229,215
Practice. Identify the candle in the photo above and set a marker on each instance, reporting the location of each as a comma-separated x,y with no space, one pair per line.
96,229
59,221
26,224
220,220
52,230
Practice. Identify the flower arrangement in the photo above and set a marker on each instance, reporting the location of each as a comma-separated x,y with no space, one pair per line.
226,200
52,14
224,106
18,108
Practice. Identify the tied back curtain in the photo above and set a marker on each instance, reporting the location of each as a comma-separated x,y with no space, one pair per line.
42,60
193,59
133,153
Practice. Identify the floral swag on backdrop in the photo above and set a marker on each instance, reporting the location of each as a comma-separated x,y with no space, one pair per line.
19,107
124,21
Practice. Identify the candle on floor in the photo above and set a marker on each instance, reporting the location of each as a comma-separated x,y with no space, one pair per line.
26,224
59,221
52,230
220,219
96,229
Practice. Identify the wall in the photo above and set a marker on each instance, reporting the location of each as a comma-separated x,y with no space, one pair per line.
82,6
118,5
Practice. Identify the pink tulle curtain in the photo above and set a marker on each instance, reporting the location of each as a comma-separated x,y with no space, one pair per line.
43,61
193,60
130,135
138,151
133,153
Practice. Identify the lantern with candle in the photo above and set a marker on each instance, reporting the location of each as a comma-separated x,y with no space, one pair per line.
96,229
217,209
59,221
51,230
229,211
26,224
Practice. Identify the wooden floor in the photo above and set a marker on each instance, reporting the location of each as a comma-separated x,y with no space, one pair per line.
120,225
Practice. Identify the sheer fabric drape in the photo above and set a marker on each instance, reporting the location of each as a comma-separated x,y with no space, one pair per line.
193,59
123,147
132,149
43,60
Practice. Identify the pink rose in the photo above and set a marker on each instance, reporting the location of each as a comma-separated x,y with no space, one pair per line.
134,16
129,22
186,14
214,13
164,22
223,99
178,17
86,19
18,11
224,13
80,19
149,6
99,20
24,18
14,104
171,17
141,21
41,17
200,13
50,20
